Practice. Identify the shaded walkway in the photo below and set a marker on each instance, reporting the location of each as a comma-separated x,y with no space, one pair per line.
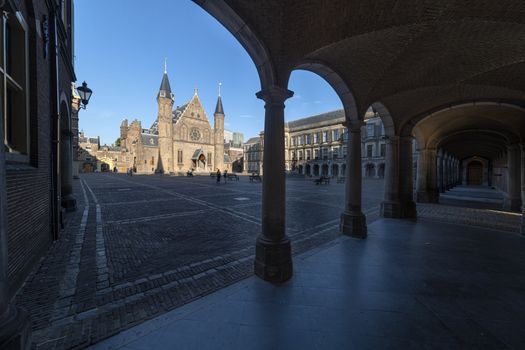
481,197
409,285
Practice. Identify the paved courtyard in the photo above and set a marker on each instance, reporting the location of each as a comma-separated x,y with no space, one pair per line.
140,246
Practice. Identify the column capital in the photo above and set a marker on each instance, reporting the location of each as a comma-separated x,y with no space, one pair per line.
274,95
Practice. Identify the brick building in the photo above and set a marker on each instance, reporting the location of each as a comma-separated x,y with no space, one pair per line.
35,162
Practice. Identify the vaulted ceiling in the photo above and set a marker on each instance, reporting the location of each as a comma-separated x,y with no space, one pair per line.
414,56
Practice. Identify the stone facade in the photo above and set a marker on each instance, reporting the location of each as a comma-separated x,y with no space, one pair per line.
316,146
180,140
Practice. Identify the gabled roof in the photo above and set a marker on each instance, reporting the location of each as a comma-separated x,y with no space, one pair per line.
197,154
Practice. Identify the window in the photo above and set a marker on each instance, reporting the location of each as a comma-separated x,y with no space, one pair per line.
300,140
308,139
209,159
195,134
316,137
325,136
383,149
300,155
344,151
14,75
369,150
152,160
335,135
335,152
370,130
179,156
293,141
325,153
316,153
308,154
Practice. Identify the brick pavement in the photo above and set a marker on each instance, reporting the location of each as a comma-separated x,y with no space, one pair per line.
139,246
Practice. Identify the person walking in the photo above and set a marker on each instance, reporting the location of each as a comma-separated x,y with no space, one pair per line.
218,175
225,175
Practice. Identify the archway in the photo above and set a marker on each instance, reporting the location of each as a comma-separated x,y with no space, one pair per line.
308,170
300,169
324,170
381,170
316,169
335,170
475,173
370,170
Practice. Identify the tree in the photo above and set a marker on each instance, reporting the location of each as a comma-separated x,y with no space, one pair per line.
117,142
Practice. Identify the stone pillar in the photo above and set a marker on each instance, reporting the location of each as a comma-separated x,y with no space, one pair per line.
427,189
398,201
66,170
15,328
522,168
441,187
513,199
273,257
353,221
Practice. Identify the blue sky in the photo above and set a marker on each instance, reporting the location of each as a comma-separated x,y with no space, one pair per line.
120,49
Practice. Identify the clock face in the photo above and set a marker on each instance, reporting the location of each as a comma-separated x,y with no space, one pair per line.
195,134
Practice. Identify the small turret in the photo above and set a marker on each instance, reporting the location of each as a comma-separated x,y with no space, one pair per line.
165,101
218,117
123,133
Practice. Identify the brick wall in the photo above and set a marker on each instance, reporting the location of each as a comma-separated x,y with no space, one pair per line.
29,185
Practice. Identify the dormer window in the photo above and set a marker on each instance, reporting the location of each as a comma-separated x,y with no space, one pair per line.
162,94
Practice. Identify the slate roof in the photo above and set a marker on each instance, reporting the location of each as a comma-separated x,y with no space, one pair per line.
165,86
196,154
227,159
338,115
253,140
175,116
150,140
218,107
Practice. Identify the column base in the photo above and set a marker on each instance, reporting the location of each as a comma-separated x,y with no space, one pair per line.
427,197
512,204
353,225
398,210
15,330
69,203
273,260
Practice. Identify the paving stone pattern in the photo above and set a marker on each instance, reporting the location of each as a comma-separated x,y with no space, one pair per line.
140,246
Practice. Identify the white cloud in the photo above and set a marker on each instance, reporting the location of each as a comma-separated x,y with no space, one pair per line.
247,116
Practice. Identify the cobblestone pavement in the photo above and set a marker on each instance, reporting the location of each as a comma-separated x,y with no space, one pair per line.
139,246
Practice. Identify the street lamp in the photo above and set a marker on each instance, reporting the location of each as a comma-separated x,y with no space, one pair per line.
85,94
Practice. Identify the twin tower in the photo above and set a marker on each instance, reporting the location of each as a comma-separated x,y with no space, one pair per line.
185,137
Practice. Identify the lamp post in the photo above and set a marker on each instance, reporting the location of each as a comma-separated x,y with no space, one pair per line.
85,94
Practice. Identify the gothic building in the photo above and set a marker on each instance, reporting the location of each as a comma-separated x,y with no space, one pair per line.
179,140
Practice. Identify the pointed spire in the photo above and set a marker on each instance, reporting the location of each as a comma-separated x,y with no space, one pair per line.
165,89
218,108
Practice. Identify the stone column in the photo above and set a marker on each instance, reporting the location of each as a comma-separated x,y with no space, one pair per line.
513,200
15,328
427,190
440,171
66,174
353,221
273,257
398,201
522,167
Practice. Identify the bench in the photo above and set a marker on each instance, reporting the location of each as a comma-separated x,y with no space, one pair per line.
322,180
232,177
255,178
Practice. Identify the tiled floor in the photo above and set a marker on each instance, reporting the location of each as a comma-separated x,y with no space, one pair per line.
409,285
